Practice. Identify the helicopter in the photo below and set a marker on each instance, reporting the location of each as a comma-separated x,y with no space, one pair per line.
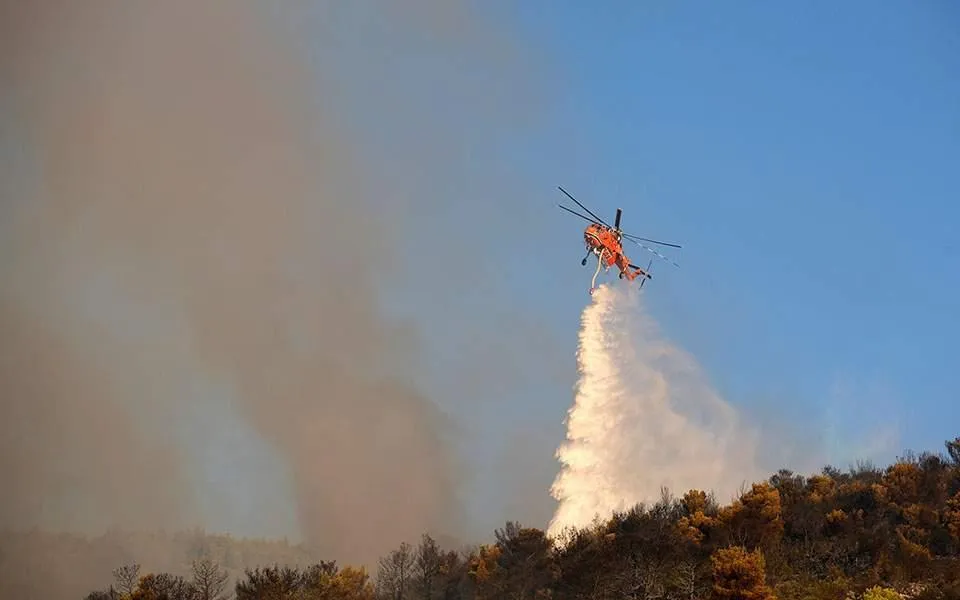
605,242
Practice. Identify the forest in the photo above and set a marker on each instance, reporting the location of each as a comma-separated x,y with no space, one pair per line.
870,533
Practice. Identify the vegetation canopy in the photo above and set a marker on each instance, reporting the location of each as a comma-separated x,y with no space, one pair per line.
868,533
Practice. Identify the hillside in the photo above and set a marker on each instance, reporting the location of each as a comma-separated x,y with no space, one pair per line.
821,536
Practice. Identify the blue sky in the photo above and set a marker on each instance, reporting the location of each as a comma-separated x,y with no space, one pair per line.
806,155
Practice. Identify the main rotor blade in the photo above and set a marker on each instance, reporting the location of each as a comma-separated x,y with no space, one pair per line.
602,222
578,214
635,238
649,249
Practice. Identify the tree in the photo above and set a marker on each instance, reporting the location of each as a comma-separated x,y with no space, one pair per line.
881,593
953,450
699,512
282,583
427,567
320,581
584,565
689,580
951,517
348,584
395,573
485,571
127,579
453,571
739,575
209,580
755,519
524,562
163,586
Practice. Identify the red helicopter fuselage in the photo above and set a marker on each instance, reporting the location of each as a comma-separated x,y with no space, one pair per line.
605,243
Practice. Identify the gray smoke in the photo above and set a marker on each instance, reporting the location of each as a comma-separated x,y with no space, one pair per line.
178,232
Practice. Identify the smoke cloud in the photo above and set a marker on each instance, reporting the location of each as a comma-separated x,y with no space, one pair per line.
644,418
191,334
177,231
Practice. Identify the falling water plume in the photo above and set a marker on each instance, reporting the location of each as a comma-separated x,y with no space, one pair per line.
644,418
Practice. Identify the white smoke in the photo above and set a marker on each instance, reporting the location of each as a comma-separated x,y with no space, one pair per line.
644,418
